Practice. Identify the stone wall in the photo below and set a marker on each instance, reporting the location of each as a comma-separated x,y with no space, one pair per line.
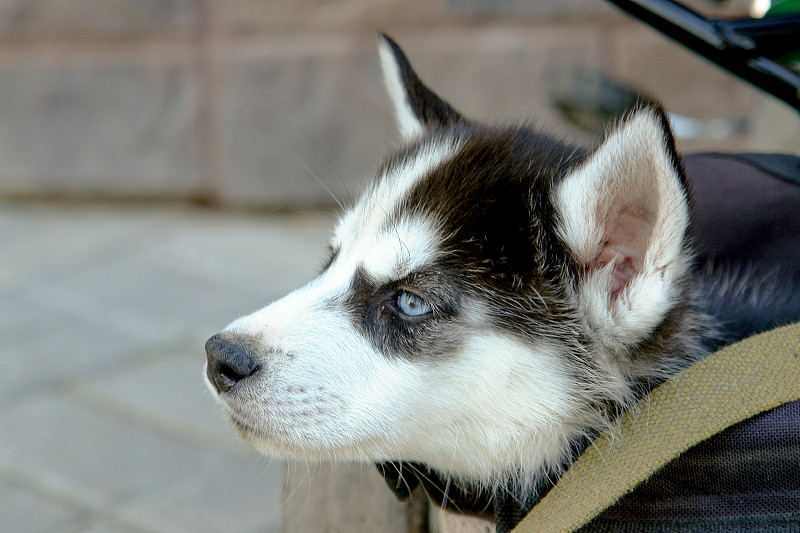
252,102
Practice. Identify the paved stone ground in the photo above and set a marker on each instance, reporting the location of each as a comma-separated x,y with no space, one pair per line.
105,423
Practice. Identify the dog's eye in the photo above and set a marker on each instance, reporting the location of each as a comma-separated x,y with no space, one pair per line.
412,305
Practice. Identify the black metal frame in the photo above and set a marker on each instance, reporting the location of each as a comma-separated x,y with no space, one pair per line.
745,47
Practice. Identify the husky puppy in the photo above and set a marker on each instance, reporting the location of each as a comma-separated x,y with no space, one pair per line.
494,298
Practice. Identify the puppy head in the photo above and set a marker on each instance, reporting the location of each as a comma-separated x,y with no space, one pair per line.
484,301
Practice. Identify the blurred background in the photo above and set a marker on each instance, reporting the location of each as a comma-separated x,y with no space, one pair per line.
217,101
165,166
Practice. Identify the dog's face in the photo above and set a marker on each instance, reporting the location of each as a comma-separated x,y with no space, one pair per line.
481,303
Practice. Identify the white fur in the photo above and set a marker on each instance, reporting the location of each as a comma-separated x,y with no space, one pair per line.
372,210
407,122
628,183
367,235
402,248
319,396
497,408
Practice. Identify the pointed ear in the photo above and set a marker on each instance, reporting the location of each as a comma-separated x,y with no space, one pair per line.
623,215
416,107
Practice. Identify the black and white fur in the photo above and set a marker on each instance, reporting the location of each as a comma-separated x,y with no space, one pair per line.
494,297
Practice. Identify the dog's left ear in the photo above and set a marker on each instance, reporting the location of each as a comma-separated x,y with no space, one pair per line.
623,215
416,107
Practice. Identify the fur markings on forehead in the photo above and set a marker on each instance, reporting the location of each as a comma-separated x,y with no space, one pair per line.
401,248
374,218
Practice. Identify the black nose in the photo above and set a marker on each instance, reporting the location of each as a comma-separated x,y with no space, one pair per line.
229,362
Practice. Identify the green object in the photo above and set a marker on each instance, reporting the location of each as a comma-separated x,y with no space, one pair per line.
783,7
786,7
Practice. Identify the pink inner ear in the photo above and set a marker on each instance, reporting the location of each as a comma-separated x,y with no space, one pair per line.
623,273
625,244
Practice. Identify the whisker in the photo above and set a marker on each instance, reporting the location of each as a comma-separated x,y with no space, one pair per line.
433,483
324,154
313,175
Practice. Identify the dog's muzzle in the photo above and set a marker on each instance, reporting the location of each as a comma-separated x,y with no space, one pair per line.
230,362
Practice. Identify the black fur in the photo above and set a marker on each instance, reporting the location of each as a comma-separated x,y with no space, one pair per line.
426,105
373,310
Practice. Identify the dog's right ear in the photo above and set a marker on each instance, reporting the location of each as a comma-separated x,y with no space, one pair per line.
416,107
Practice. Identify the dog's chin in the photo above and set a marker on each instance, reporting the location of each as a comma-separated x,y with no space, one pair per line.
279,446
269,445
245,431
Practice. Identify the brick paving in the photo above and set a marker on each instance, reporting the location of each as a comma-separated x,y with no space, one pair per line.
105,422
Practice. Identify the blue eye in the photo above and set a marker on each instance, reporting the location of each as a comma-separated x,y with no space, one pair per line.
412,305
